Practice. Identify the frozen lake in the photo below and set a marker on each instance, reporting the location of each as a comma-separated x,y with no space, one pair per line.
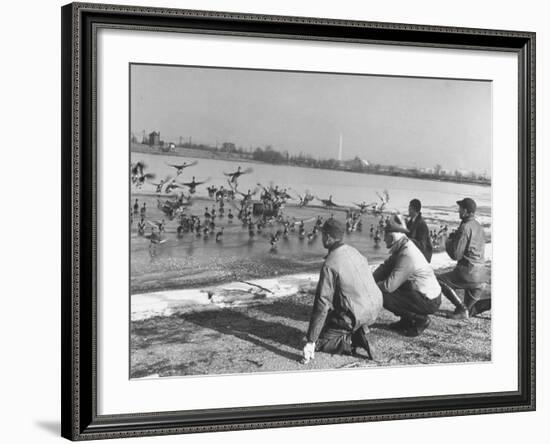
193,261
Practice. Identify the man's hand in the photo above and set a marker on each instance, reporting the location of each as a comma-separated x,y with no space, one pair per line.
309,352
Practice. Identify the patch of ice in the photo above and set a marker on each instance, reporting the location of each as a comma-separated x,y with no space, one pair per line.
167,303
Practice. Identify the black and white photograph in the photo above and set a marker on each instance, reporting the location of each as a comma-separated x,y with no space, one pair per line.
289,221
275,222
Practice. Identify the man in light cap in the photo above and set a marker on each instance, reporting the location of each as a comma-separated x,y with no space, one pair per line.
408,283
467,246
347,299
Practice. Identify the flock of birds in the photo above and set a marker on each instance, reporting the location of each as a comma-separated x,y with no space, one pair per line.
260,211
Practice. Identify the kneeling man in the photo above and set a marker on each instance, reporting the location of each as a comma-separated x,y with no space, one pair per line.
408,283
347,299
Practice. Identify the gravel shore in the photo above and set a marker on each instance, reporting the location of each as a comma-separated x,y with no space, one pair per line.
269,336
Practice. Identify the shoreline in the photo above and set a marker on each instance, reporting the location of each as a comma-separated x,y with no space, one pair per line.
166,303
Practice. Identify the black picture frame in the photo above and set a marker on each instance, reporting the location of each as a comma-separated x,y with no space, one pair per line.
80,420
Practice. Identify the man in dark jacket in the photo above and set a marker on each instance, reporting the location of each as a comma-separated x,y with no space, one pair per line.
418,230
467,246
347,299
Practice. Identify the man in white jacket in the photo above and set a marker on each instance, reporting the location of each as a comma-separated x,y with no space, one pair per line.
409,287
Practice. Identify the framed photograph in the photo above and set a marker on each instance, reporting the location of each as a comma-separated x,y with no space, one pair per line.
275,221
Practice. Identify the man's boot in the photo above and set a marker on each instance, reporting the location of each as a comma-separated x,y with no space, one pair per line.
418,325
461,312
469,303
400,325
480,306
360,339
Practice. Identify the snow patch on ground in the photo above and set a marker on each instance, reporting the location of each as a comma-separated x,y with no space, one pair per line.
170,302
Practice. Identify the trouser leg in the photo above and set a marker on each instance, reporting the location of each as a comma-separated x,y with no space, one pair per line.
359,340
447,288
334,341
410,305
413,308
476,305
472,295
468,278
480,306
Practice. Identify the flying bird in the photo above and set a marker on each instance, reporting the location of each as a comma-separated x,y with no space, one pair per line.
180,168
377,209
328,202
194,184
363,206
305,199
160,185
235,175
171,185
138,175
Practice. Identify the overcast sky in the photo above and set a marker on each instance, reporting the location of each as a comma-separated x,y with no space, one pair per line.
389,120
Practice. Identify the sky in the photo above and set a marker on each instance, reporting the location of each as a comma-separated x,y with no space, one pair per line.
403,121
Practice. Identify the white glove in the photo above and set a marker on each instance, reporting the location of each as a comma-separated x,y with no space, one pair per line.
309,352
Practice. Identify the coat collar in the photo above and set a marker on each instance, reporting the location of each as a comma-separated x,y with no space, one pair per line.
398,245
468,218
333,247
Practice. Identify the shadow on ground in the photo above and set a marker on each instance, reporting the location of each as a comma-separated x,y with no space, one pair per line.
269,337
291,309
266,334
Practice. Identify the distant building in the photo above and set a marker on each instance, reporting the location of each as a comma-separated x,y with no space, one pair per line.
228,147
462,173
356,164
154,138
167,147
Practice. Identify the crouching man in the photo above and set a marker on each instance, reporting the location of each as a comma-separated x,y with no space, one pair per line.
408,283
347,299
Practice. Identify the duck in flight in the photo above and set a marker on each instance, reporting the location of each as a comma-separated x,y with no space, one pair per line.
328,202
305,199
193,185
233,177
180,168
138,174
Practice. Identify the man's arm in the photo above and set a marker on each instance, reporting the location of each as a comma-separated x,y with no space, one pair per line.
450,244
456,245
423,235
382,271
322,305
399,274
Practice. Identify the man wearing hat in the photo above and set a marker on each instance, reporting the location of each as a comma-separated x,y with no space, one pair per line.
347,299
409,287
467,246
